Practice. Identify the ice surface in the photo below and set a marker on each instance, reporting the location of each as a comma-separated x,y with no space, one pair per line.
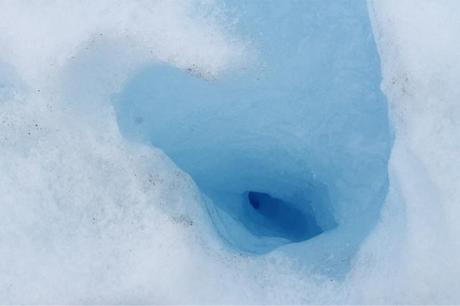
419,262
306,123
268,110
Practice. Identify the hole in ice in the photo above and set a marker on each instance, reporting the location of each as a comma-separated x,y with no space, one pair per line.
275,217
292,152
258,222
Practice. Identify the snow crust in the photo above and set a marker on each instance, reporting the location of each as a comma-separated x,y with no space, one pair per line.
90,216
419,260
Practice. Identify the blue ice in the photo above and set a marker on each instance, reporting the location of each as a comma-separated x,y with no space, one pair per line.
292,150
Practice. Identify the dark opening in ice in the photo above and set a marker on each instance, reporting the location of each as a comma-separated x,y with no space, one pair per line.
277,218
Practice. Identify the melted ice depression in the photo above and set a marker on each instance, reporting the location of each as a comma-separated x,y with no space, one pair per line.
229,151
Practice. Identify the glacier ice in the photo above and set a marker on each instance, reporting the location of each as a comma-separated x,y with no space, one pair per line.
212,151
307,125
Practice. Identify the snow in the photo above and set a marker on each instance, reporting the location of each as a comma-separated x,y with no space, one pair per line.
155,152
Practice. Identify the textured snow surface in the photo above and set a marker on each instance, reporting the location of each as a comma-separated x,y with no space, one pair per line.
129,130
